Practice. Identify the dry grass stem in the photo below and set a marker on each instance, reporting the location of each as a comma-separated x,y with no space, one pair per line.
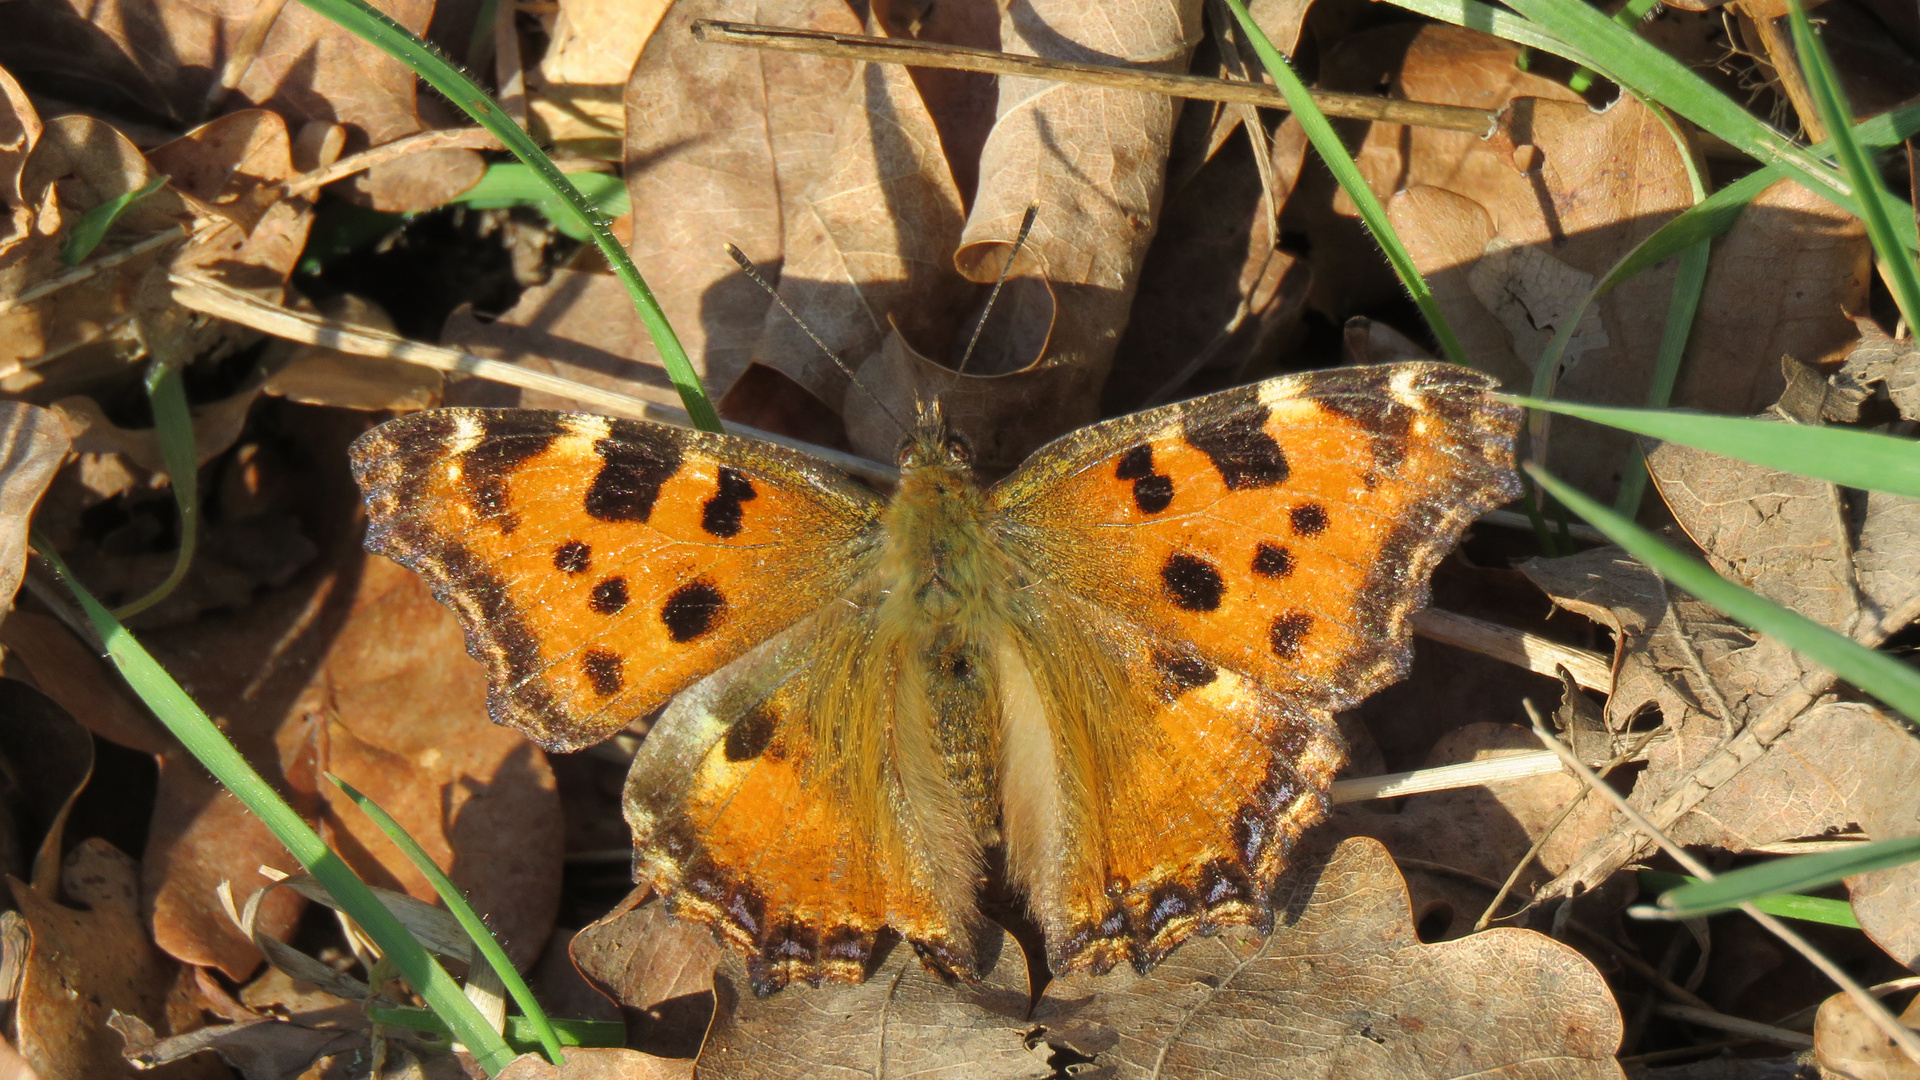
1516,647
212,298
1445,777
1197,87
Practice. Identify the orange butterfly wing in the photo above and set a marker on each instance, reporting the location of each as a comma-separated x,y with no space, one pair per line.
600,566
1247,563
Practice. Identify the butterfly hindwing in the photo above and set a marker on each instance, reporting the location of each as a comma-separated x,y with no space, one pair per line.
1245,565
598,565
744,818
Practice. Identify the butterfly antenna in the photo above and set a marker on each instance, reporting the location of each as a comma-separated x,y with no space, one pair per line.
1020,241
753,272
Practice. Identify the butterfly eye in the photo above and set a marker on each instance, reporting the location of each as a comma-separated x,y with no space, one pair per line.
959,449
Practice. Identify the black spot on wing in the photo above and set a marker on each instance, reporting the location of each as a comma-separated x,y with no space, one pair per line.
1308,519
1287,632
692,609
609,596
1272,560
1135,464
573,557
636,459
603,670
749,736
1152,492
721,515
1191,582
1240,448
507,439
1182,673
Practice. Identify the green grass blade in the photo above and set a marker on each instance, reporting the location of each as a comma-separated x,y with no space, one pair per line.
1797,874
93,225
1654,75
1504,25
1875,673
370,24
1327,144
463,912
1831,102
584,1033
198,734
509,183
179,452
1845,456
1786,905
1690,282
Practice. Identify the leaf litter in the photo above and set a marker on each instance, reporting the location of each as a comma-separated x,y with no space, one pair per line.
1179,247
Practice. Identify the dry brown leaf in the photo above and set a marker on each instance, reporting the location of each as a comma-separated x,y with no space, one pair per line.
78,163
1421,63
1878,359
713,156
1782,282
577,324
1735,772
85,965
33,443
1847,1044
364,675
1784,536
660,970
1880,756
1093,162
163,62
73,674
1345,989
598,1064
903,1021
575,92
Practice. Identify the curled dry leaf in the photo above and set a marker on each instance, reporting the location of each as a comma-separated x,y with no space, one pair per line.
87,963
178,66
1881,361
33,443
1354,991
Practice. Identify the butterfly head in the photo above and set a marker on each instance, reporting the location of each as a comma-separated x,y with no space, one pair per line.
933,444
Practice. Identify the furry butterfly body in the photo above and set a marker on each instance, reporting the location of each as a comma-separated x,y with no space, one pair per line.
1119,664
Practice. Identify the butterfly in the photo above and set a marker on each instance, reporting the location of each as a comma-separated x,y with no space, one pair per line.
1119,665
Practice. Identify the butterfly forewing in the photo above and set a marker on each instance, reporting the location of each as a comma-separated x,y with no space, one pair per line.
600,566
